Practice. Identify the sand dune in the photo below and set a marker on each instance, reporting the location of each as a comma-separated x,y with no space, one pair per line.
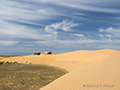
88,70
103,75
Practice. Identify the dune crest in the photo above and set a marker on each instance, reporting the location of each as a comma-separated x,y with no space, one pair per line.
69,61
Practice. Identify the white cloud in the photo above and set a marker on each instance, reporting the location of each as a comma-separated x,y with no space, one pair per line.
108,35
65,26
79,35
105,36
101,29
109,46
8,43
82,14
51,30
111,32
101,35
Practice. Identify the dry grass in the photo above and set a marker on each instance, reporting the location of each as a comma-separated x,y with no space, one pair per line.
7,56
27,76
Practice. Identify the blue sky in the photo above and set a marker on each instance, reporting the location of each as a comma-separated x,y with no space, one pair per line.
28,26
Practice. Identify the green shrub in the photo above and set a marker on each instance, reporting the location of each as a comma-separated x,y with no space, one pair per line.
14,62
22,82
1,62
7,62
41,77
10,62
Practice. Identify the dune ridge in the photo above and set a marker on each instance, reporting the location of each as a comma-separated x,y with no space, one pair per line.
69,61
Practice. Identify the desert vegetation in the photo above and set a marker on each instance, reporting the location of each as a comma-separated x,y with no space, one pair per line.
16,76
7,62
7,56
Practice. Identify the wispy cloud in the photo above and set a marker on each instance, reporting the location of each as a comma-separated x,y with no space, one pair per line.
76,43
111,32
64,26
109,46
23,11
20,31
101,35
81,36
92,5
8,43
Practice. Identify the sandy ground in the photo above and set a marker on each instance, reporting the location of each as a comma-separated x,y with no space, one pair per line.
88,70
1,58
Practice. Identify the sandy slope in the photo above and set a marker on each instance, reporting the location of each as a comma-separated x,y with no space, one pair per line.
69,61
89,70
103,75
